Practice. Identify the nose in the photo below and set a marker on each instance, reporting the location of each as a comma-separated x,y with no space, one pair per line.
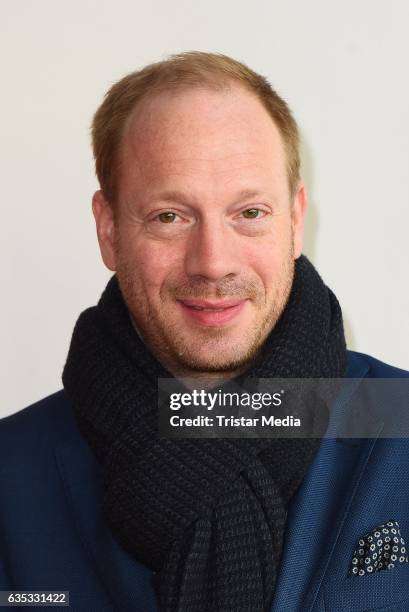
212,252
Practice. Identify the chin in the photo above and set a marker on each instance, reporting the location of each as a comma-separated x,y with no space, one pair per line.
216,360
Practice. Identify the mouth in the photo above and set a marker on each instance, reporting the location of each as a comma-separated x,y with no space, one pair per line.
210,313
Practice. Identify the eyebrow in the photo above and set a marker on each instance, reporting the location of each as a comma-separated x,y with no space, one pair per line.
181,198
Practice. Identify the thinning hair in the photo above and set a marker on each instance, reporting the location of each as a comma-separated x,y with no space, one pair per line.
184,71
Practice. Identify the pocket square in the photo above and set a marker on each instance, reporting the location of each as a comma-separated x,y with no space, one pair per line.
379,549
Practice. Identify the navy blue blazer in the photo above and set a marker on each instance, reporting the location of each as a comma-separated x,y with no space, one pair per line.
53,537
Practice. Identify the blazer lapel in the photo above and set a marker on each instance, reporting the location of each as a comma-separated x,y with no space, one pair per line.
127,583
320,508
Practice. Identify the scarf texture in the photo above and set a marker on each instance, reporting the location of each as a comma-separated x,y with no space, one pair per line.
207,516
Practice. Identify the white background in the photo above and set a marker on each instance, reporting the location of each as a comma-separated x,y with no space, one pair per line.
342,67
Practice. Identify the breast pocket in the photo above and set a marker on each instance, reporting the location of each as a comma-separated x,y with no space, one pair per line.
386,590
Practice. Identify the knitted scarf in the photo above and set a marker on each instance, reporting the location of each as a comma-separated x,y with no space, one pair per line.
207,516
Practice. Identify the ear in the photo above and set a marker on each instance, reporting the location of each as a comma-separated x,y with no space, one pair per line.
104,219
299,207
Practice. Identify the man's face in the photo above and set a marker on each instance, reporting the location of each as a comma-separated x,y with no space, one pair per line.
205,235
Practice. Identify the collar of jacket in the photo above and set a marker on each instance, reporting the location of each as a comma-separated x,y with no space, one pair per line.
321,505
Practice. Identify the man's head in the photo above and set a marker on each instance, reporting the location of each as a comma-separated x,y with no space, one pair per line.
200,209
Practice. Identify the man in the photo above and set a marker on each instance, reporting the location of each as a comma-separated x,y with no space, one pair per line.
200,215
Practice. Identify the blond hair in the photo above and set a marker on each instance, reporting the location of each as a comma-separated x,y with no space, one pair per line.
192,69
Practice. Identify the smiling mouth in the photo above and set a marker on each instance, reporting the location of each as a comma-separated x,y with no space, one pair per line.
214,309
212,314
209,305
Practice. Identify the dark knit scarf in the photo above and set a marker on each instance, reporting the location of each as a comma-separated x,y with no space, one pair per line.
206,515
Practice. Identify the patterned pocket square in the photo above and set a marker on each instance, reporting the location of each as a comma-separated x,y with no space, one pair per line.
380,549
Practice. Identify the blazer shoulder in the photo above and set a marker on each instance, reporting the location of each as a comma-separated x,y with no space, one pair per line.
51,419
374,367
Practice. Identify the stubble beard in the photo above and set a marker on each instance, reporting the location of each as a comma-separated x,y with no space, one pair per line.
176,350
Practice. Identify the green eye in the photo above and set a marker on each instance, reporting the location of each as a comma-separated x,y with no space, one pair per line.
251,213
167,217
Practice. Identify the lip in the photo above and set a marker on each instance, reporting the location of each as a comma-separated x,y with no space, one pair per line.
231,309
209,304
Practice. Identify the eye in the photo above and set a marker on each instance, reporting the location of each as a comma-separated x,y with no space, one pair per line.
167,217
252,213
168,223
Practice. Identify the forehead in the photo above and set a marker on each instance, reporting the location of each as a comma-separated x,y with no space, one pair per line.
200,134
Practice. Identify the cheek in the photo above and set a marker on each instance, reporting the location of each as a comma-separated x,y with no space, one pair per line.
272,261
150,263
269,253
